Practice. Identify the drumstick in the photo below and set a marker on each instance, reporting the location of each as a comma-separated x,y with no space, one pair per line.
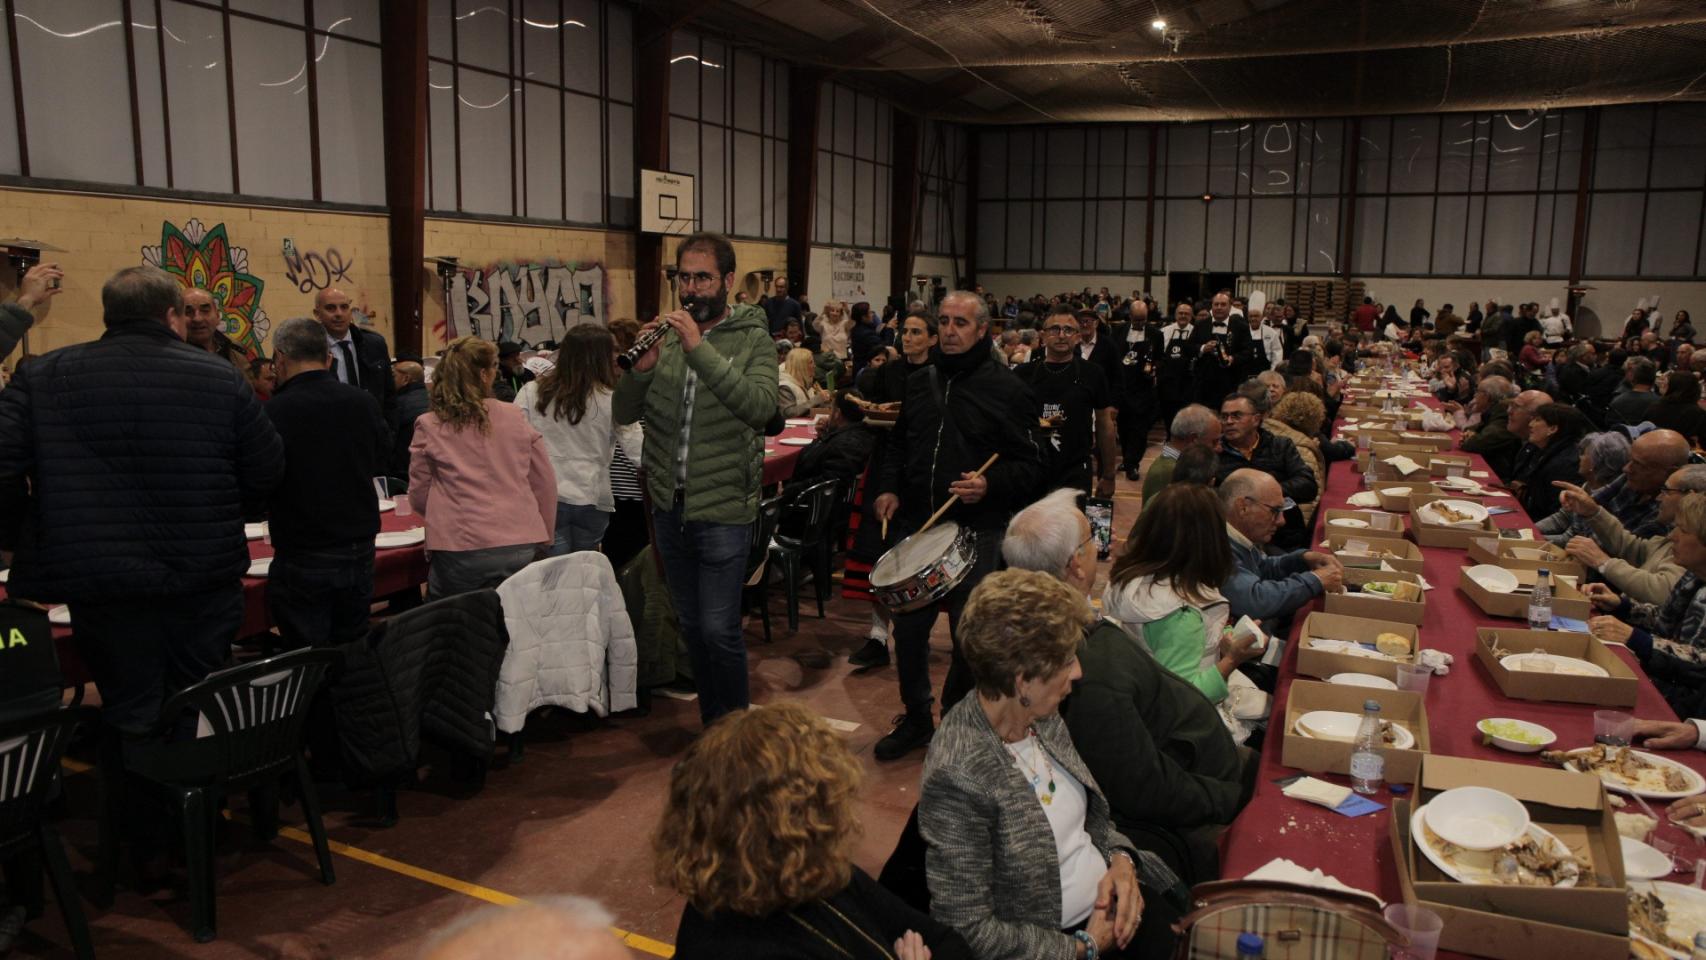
955,498
885,537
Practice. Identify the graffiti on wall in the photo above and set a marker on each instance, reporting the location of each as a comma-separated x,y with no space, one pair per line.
311,270
204,258
528,303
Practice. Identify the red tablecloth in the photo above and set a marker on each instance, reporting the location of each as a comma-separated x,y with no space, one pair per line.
394,569
1358,850
780,456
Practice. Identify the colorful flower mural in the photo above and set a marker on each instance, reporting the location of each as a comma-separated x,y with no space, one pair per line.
205,258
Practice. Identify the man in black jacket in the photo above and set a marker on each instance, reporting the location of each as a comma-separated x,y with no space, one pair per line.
957,412
839,452
1156,745
1243,443
141,456
1222,349
410,381
360,357
1139,348
325,514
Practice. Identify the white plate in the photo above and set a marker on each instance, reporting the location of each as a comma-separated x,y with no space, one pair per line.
1547,737
1477,513
1687,909
1362,680
259,567
1349,522
1342,726
5,574
400,538
1568,666
1696,783
1457,483
385,505
60,615
795,441
1643,862
1363,498
1493,579
799,421
1472,866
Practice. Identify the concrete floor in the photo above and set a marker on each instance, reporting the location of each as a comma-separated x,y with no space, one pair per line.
573,817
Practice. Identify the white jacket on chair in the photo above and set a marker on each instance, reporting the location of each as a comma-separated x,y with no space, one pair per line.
570,642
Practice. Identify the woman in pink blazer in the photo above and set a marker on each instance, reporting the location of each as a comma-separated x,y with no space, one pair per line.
480,475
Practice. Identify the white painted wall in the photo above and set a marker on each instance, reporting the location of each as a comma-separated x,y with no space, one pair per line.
876,277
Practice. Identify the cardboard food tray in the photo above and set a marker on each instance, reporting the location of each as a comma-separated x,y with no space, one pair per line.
1618,690
1567,601
1449,465
1334,626
1376,608
1513,922
1402,707
1408,557
1395,494
1439,535
1522,555
1381,452
1381,526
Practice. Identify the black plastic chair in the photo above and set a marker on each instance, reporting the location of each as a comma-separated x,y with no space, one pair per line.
811,540
31,747
757,590
253,716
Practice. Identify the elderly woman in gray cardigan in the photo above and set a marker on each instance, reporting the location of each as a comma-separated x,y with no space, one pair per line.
1023,859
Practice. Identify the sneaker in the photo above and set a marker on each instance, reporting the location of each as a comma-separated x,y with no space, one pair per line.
875,653
910,732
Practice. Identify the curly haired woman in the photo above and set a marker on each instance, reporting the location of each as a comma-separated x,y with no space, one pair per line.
758,836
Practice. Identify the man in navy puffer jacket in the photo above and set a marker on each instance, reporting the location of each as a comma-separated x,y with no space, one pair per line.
127,466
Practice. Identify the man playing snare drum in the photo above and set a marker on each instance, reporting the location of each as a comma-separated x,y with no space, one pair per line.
956,414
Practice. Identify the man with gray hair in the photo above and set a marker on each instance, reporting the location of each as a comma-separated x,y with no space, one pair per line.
1193,426
127,466
1263,587
1641,569
1155,744
1504,449
323,517
957,412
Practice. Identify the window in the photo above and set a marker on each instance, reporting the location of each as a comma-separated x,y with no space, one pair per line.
728,127
187,95
855,169
530,109
942,177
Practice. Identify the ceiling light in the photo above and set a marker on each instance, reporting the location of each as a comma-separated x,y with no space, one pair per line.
1159,24
1207,197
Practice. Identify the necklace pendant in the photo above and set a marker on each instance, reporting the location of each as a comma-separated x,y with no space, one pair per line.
1048,798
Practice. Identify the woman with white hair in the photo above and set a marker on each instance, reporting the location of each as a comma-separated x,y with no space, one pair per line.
835,328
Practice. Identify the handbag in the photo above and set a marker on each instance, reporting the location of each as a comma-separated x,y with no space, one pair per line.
1307,923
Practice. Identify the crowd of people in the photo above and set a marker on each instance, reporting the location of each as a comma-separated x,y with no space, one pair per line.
1079,768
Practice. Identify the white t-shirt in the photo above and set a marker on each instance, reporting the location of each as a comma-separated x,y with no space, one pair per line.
1081,864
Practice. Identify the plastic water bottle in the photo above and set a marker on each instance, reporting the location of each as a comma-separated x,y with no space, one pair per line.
1251,946
1540,603
1368,766
1368,474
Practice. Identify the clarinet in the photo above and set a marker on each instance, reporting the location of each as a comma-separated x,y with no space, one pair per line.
642,344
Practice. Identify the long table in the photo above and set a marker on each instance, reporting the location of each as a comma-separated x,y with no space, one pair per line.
1357,850
780,456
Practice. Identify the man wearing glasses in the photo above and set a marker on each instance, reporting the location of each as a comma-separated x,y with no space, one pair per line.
1243,443
705,390
1639,567
1072,395
1265,587
956,413
1633,498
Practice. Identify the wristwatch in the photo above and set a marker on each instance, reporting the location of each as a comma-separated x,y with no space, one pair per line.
1089,942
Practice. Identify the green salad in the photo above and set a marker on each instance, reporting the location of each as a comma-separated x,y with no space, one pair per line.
1509,730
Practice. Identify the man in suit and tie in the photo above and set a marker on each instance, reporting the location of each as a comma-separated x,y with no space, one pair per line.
1223,351
360,357
1101,351
1138,347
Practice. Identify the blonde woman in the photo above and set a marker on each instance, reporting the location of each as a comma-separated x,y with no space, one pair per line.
835,327
797,385
758,835
479,475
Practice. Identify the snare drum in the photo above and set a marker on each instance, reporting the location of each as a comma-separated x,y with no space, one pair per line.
923,568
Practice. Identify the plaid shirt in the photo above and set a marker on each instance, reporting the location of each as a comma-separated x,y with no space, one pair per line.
1639,515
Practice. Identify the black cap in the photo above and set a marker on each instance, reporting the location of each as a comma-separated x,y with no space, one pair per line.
509,348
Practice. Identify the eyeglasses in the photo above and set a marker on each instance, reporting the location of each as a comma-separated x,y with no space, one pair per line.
1235,415
1060,328
1286,504
699,279
1678,491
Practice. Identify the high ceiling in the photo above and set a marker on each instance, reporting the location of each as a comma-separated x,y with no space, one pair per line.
1039,61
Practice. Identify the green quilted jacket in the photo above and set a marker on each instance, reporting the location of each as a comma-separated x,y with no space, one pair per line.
736,367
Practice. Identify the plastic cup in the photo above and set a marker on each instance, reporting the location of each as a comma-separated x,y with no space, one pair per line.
1419,925
404,507
1613,727
1414,677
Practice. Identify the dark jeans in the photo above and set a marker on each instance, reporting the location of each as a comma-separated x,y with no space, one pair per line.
626,535
450,572
705,565
142,651
912,634
1136,415
320,598
579,527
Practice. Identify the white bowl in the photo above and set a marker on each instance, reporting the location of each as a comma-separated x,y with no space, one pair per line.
1493,579
1477,818
1545,737
1362,680
1643,862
